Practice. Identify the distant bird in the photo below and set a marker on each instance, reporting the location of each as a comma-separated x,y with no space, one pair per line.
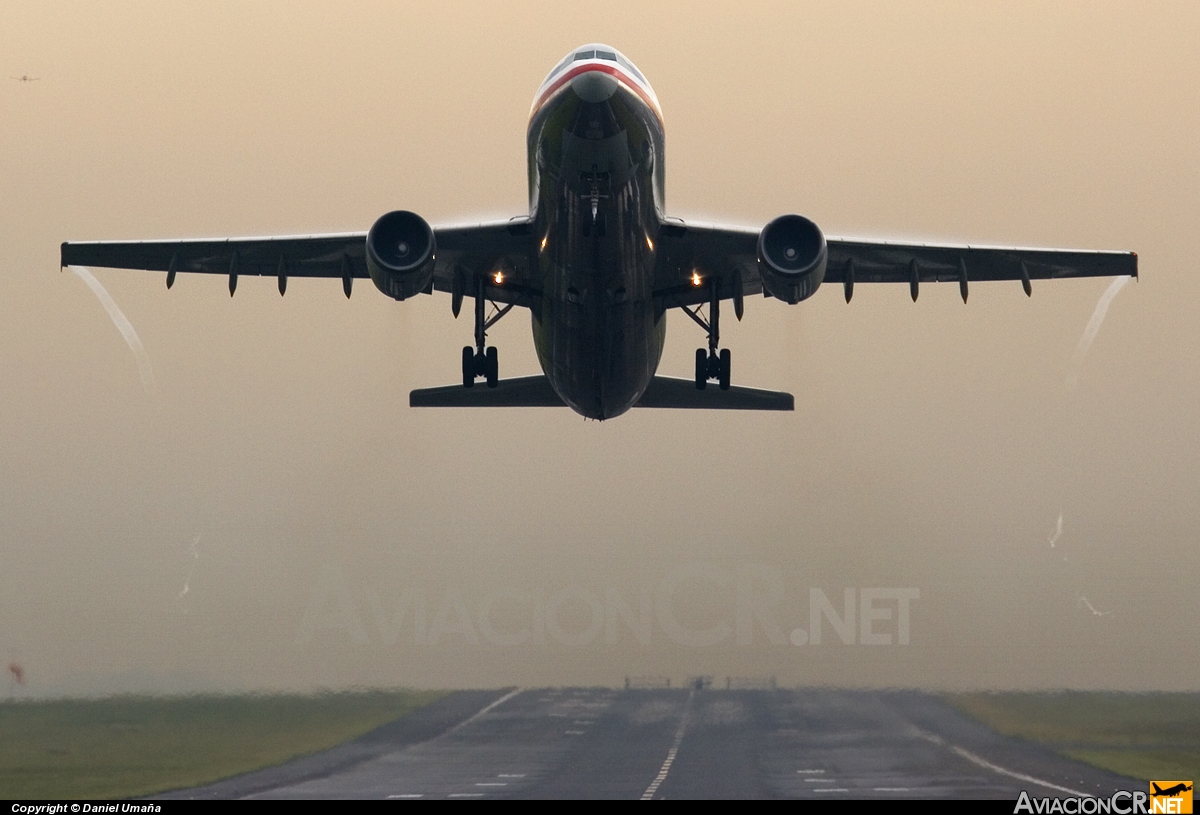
25,78
18,673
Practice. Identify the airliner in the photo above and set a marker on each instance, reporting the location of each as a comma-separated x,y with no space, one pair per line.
1170,792
597,262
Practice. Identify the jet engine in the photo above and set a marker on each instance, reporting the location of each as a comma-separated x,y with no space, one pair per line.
791,258
400,253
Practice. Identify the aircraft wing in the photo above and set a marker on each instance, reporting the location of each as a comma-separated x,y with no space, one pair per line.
461,250
731,254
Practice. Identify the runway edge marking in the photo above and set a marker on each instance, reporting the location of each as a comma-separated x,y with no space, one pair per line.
648,795
996,768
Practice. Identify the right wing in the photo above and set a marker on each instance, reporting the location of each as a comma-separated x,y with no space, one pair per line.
462,252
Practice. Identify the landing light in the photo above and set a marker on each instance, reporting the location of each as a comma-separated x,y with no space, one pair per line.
544,242
650,243
695,278
498,277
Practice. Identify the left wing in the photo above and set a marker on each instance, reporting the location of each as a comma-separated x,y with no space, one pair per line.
462,252
730,254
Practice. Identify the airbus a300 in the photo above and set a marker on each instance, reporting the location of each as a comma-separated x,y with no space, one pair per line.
597,261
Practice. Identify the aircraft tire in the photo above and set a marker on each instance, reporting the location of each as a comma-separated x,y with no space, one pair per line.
701,369
493,367
468,360
726,365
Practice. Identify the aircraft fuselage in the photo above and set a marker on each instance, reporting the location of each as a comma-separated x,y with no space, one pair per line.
595,144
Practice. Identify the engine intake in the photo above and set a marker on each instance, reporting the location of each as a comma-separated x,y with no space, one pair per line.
400,254
791,258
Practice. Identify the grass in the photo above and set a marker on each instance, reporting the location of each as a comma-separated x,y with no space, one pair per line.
1140,735
129,746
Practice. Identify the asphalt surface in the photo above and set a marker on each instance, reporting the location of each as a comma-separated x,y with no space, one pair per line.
603,743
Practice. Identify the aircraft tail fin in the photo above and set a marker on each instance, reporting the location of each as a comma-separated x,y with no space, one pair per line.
663,392
523,391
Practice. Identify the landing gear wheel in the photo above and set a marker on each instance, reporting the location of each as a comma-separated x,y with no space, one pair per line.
701,369
468,365
725,365
492,367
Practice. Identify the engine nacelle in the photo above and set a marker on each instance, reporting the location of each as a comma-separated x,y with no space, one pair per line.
400,254
791,258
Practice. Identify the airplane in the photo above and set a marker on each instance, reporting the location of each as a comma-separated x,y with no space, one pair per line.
597,261
1170,792
25,78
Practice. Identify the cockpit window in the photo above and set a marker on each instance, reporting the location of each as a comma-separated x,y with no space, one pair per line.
627,65
595,53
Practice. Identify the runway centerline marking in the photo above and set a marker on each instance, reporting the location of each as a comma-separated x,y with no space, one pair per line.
511,775
491,783
814,772
996,768
648,795
408,795
484,712
465,795
831,789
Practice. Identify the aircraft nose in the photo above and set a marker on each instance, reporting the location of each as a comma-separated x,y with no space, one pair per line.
594,86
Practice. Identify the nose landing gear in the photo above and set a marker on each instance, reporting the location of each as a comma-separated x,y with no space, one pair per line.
594,180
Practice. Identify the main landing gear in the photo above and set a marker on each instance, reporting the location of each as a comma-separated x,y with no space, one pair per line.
711,364
482,361
485,363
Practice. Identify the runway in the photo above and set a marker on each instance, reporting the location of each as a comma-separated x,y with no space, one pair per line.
663,744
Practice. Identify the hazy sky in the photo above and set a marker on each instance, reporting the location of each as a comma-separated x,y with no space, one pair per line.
933,447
